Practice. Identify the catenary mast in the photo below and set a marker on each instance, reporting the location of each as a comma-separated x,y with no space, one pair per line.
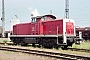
3,19
67,9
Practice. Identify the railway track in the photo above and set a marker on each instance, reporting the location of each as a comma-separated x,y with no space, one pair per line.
72,49
81,50
45,53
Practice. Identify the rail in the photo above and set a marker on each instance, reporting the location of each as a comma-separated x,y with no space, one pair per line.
45,53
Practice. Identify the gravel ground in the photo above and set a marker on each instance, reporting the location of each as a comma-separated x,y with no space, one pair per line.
7,55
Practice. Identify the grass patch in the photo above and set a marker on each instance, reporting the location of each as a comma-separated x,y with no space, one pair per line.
74,52
83,45
8,52
1,59
2,40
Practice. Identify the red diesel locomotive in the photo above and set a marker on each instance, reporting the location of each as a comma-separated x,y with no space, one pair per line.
46,31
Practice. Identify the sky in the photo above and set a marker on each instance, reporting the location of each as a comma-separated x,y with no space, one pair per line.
79,10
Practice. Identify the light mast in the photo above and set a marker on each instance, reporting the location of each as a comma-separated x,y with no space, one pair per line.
67,9
3,19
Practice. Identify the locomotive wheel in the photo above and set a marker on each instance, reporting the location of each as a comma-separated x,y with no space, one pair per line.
56,46
39,46
48,43
15,43
24,44
64,47
50,47
33,45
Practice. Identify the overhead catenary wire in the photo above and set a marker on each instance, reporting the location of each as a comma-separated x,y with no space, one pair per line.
14,9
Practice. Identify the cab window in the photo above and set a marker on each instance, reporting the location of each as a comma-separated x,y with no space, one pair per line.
44,18
33,20
38,19
51,18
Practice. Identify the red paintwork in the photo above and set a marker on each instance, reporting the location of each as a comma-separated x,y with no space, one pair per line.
51,27
69,28
36,28
28,28
21,29
14,30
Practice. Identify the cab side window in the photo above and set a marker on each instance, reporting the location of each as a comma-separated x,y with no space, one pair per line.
38,19
33,20
44,18
51,18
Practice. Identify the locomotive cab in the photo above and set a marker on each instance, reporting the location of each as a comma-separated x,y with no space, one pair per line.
43,18
48,17
36,19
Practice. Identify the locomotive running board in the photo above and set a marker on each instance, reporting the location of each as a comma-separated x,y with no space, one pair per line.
59,35
62,44
35,35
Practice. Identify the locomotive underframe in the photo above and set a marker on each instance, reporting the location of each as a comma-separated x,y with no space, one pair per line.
44,40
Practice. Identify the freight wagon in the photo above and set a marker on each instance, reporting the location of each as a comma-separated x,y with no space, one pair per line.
85,32
46,31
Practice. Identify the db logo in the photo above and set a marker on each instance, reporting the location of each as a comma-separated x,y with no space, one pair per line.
33,29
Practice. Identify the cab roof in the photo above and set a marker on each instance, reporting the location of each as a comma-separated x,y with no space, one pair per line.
52,16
